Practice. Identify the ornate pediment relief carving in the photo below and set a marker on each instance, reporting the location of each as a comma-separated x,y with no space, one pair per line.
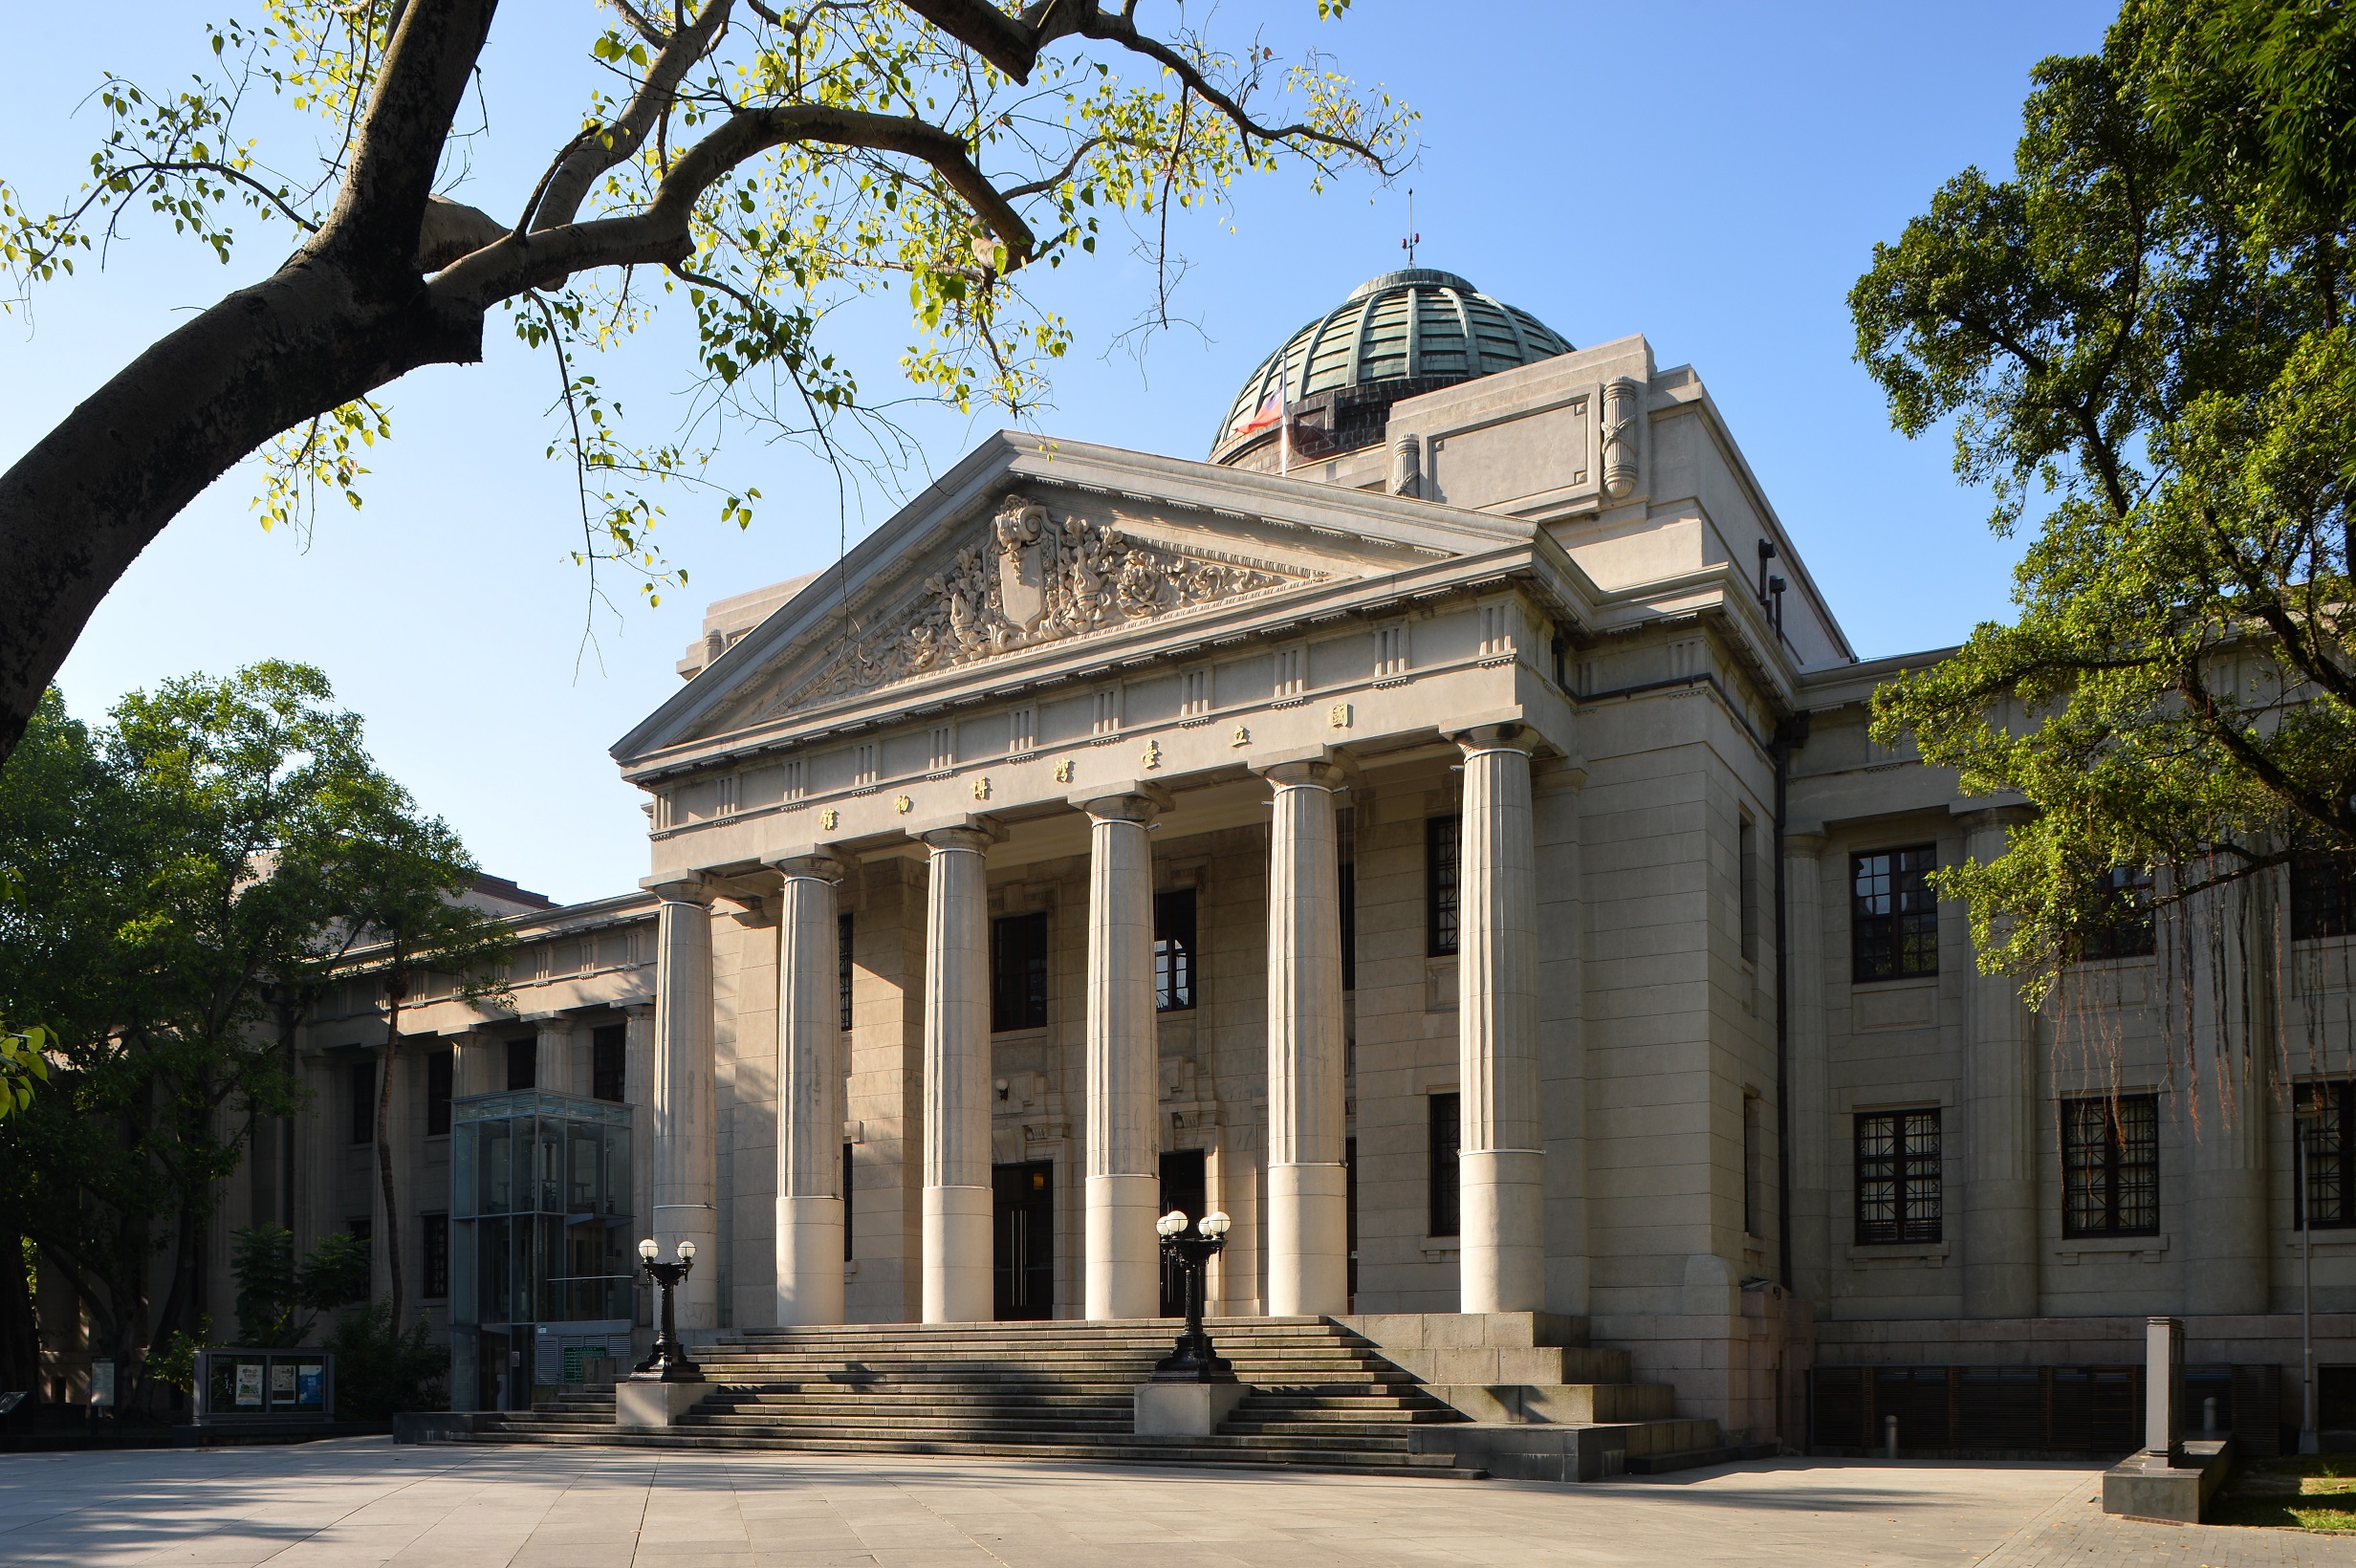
1032,578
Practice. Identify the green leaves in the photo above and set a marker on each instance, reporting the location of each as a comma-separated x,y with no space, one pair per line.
2142,333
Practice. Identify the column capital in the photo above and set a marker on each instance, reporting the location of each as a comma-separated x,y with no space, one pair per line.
1804,844
679,887
1512,736
813,864
976,833
1127,802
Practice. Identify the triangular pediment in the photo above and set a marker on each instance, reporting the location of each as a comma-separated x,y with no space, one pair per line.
1038,553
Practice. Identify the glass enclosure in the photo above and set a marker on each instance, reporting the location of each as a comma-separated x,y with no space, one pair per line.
542,1257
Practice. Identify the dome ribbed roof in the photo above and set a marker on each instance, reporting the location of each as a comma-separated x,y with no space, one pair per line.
1419,327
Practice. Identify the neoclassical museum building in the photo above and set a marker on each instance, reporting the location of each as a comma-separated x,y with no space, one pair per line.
1438,829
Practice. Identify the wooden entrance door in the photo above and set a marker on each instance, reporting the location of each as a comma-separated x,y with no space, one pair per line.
1186,1188
1024,1249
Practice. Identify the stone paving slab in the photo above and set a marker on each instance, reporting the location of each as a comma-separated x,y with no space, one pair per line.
366,1502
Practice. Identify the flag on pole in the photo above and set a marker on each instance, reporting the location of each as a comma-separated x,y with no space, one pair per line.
1277,409
1269,412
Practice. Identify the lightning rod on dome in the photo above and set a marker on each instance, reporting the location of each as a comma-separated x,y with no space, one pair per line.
1408,243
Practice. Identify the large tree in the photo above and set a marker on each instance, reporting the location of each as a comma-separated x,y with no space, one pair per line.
2141,340
760,162
215,847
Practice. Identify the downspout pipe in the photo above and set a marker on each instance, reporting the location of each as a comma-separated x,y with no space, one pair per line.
1790,735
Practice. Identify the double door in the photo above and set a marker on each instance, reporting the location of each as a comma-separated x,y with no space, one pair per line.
1023,1249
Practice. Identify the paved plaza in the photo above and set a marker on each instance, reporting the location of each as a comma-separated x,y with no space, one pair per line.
368,1502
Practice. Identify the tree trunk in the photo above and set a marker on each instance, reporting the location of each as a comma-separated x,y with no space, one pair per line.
395,986
79,506
20,1333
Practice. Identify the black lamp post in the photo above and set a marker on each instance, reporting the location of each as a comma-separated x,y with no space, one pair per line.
670,1362
1193,1361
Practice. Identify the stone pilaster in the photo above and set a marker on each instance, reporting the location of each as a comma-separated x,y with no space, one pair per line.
2001,1087
1308,1197
957,1091
810,1095
1811,1066
1123,1138
2232,935
686,1122
1500,1161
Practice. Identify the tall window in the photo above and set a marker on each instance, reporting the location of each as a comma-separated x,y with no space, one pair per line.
2125,930
440,1075
2327,1199
364,1125
1018,971
1746,853
1894,919
1899,1197
1345,861
1440,835
436,1258
523,1064
2110,1167
1754,1209
842,966
609,1055
1446,1129
2322,897
1173,951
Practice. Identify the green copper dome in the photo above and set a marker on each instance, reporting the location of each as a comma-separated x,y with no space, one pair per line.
1395,336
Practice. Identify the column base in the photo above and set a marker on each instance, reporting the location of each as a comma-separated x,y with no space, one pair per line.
1502,1250
809,1261
1308,1241
957,1255
1124,1264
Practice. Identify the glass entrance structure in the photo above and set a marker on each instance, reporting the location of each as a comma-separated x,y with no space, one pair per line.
542,1272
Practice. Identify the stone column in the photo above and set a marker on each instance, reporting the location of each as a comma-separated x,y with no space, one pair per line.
1811,1114
810,1095
686,1123
1500,1163
1124,1135
1308,1197
2001,1088
2232,935
957,1208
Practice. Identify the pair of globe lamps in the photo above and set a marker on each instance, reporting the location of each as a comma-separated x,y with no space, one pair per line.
669,1362
1193,1359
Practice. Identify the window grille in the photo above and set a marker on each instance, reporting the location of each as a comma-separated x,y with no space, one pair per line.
2326,1112
440,1075
1899,1192
1018,971
1173,951
2322,897
2110,1167
1893,915
1440,835
842,965
609,1050
2126,929
1446,1129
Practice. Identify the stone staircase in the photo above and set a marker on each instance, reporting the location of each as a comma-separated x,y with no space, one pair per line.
1321,1398
1519,1395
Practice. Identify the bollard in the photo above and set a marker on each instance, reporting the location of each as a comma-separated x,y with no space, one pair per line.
1889,1436
2208,1416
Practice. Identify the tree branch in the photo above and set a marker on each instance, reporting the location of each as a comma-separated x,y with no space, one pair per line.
591,156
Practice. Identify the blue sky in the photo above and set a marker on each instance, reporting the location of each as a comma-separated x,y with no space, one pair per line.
1713,176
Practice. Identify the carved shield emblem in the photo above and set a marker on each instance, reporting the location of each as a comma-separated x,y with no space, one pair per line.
1022,562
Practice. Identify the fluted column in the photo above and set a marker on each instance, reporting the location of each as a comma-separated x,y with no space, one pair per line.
957,1212
1308,1197
1124,1135
1811,1127
810,1095
2000,1208
685,1122
1499,1160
